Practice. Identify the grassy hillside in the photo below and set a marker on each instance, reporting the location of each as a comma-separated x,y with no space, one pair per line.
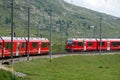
75,21
105,67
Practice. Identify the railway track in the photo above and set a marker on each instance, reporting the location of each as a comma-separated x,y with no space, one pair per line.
55,55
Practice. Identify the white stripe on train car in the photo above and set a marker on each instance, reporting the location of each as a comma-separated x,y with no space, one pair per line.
84,45
108,46
17,49
39,51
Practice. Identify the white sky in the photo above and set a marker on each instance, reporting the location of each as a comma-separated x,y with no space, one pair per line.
111,7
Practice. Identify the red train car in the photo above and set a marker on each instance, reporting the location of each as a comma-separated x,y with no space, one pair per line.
114,44
44,46
38,46
90,44
104,44
20,46
7,46
76,44
35,45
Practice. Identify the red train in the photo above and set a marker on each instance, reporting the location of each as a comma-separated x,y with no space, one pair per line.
79,44
20,46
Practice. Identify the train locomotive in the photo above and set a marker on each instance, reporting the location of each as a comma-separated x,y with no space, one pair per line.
84,44
20,46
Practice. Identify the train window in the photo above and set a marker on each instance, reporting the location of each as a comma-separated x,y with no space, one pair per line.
90,43
74,44
80,43
115,44
8,45
23,45
44,44
34,44
0,45
69,43
103,43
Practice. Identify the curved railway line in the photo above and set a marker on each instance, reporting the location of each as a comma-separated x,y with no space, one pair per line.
56,55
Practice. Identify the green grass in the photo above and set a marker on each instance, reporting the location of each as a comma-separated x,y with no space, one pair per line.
5,75
104,67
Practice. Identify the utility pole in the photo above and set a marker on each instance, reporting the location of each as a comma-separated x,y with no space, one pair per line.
38,29
60,35
89,27
93,28
28,54
94,31
12,31
84,24
50,35
100,34
67,34
12,38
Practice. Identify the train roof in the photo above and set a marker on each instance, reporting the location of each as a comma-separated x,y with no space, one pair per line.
91,39
114,39
23,38
34,38
75,39
79,39
109,39
14,38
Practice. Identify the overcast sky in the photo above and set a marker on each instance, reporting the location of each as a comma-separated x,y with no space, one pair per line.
111,7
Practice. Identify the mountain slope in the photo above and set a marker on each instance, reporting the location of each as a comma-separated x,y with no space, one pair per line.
80,17
75,21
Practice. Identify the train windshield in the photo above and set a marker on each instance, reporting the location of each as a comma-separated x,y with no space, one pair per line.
69,42
102,44
0,45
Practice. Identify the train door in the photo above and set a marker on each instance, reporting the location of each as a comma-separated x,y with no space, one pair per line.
34,48
0,49
0,46
108,46
17,49
44,47
84,45
39,47
80,46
